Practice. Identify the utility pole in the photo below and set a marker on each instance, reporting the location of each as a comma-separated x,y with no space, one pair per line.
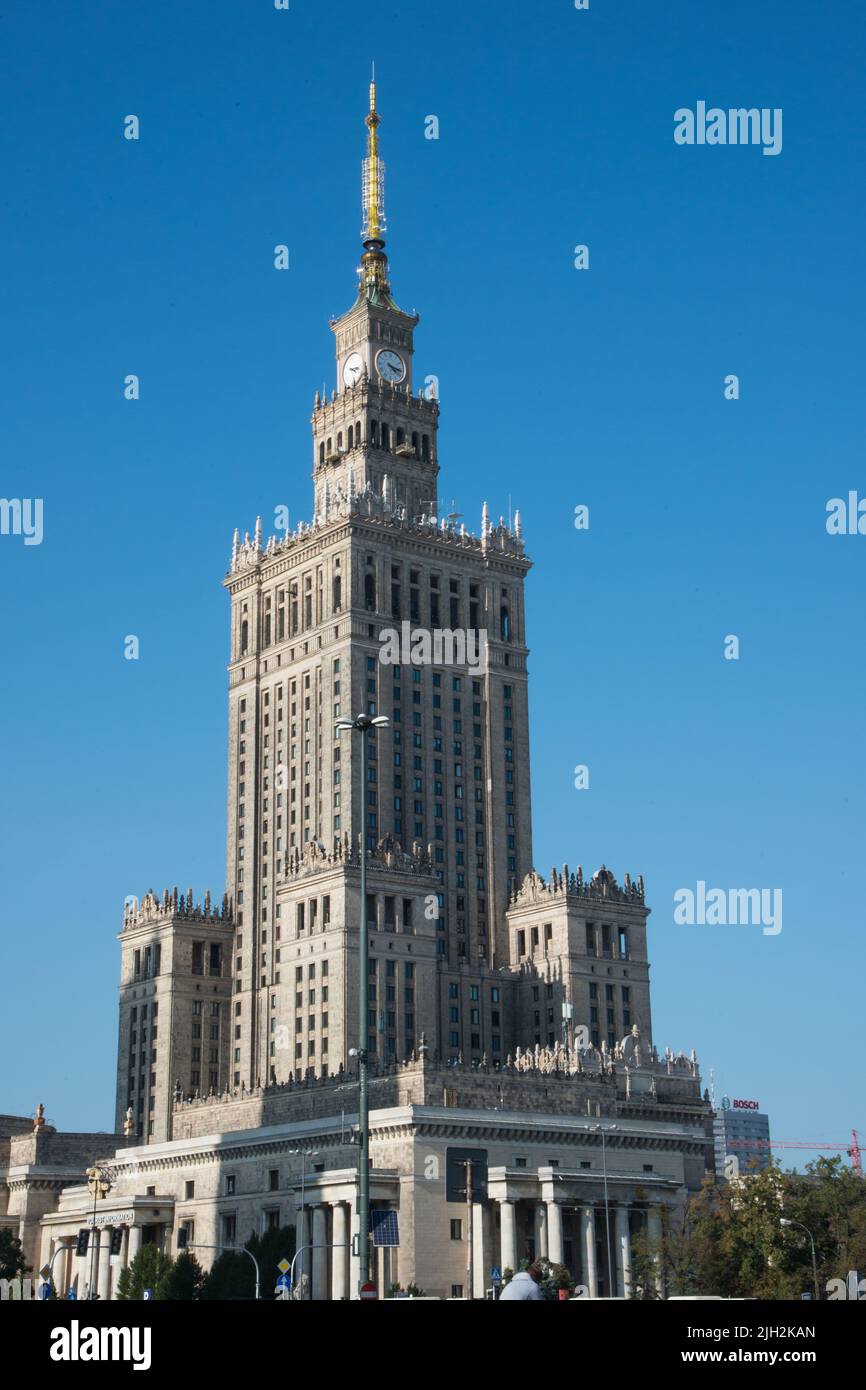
470,1252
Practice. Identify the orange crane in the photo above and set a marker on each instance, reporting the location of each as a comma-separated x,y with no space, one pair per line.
852,1150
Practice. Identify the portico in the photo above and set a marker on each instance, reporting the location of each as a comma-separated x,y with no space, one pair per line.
141,1220
562,1215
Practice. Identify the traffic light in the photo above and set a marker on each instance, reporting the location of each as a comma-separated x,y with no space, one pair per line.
116,1240
83,1238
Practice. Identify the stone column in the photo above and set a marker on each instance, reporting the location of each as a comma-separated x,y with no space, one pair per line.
587,1232
302,1241
479,1252
63,1281
622,1243
540,1231
339,1254
554,1232
134,1243
320,1253
507,1240
654,1232
104,1275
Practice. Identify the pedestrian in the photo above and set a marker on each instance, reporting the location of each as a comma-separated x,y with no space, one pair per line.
524,1286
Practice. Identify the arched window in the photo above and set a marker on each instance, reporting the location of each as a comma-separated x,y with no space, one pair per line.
425,447
374,433
340,440
351,437
370,592
358,435
322,452
415,442
330,447
245,637
504,623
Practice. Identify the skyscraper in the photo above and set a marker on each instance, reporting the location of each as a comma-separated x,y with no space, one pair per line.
379,605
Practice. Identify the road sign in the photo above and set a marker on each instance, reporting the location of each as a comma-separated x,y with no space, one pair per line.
283,1282
72,1295
282,1293
45,1271
284,1266
45,1291
368,1292
496,1275
148,1294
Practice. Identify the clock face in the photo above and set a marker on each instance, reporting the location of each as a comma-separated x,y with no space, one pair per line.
390,365
352,369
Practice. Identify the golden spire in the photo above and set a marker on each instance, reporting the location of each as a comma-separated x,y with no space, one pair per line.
373,181
373,270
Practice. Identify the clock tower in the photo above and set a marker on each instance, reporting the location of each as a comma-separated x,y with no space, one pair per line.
374,436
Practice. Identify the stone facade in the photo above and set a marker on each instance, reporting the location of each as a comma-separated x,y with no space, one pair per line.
507,1015
570,1145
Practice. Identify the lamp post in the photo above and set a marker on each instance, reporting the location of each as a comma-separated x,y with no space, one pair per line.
785,1221
99,1185
363,725
600,1129
305,1154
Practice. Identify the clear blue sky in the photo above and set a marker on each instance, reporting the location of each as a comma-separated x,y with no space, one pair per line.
558,387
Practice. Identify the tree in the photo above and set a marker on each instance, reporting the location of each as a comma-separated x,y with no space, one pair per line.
182,1281
731,1241
146,1271
233,1274
12,1261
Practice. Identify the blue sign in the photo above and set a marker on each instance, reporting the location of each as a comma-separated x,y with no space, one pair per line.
284,1282
45,1291
148,1294
72,1294
495,1275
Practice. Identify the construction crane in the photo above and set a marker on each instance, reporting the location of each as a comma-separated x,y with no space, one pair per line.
852,1150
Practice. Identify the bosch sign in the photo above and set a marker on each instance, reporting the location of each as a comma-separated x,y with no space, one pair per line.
746,1105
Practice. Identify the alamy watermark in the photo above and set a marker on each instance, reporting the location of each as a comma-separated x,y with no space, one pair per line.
731,907
438,646
22,516
736,126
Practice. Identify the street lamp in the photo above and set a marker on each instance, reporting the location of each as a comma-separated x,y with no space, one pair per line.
785,1221
363,725
98,1185
305,1154
600,1129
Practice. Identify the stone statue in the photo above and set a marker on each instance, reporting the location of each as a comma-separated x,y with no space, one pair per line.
129,1122
39,1122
